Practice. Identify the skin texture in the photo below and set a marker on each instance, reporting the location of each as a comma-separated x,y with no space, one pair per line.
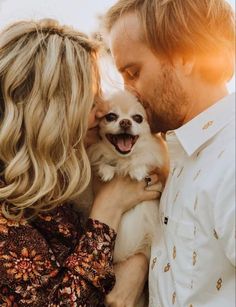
135,269
173,92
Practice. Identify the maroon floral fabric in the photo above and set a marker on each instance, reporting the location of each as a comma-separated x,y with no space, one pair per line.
51,261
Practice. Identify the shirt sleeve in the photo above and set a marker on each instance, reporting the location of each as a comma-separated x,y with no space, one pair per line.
33,273
224,214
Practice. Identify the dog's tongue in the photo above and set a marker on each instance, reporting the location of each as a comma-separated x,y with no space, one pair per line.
124,143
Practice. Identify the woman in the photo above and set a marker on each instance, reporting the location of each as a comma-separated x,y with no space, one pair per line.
50,99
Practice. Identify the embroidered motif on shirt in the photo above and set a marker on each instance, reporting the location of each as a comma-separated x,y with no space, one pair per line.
154,261
173,171
216,235
198,154
219,284
167,268
174,252
176,196
208,124
189,217
173,298
191,285
195,177
180,172
220,154
194,258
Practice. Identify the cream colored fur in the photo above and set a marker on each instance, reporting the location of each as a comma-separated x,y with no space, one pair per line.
137,225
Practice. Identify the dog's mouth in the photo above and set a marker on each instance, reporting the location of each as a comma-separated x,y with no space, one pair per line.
123,142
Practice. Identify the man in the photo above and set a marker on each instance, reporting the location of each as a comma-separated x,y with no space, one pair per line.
176,56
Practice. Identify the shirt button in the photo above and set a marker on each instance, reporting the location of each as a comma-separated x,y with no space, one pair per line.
159,253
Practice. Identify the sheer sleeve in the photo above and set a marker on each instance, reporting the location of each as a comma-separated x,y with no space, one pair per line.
53,262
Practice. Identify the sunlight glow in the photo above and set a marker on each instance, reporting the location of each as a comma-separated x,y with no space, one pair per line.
81,14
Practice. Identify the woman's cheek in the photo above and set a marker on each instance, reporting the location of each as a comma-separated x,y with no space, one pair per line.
92,137
91,119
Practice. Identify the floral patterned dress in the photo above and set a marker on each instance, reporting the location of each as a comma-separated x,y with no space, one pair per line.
51,261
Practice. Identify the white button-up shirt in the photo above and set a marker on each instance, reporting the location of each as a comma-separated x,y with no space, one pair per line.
193,257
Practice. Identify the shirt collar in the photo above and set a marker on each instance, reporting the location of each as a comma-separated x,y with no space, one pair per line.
207,124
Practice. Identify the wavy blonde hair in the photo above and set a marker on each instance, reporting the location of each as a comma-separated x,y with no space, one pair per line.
49,79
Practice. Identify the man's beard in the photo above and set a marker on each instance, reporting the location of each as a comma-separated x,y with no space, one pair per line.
167,105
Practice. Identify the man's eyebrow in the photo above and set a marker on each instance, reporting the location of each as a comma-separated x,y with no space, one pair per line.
123,68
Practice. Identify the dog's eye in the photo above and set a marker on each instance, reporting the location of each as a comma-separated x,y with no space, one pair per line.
110,117
138,118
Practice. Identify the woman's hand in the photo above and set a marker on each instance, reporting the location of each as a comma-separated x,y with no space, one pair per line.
131,276
119,195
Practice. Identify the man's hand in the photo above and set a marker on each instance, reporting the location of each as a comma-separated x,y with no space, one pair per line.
131,276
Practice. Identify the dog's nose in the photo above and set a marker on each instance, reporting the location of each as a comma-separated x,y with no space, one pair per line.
125,123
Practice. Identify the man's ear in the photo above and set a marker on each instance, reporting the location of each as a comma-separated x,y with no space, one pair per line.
184,64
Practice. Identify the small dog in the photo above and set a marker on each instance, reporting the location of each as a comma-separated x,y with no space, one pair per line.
127,147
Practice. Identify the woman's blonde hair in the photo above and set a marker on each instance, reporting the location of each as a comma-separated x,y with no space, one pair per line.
203,27
49,79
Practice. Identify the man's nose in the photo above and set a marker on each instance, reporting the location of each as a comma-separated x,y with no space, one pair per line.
125,123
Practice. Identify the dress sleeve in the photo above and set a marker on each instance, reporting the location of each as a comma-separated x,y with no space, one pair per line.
33,272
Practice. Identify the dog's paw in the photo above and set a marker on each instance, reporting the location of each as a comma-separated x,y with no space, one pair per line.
139,173
106,172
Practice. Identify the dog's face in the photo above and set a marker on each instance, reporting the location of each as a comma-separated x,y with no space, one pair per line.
125,124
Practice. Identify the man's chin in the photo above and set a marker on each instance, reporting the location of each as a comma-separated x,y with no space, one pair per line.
155,123
158,125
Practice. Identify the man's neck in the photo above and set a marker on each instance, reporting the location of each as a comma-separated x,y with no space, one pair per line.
204,97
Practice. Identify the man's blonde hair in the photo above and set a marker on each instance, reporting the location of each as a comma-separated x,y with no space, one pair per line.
203,27
48,78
